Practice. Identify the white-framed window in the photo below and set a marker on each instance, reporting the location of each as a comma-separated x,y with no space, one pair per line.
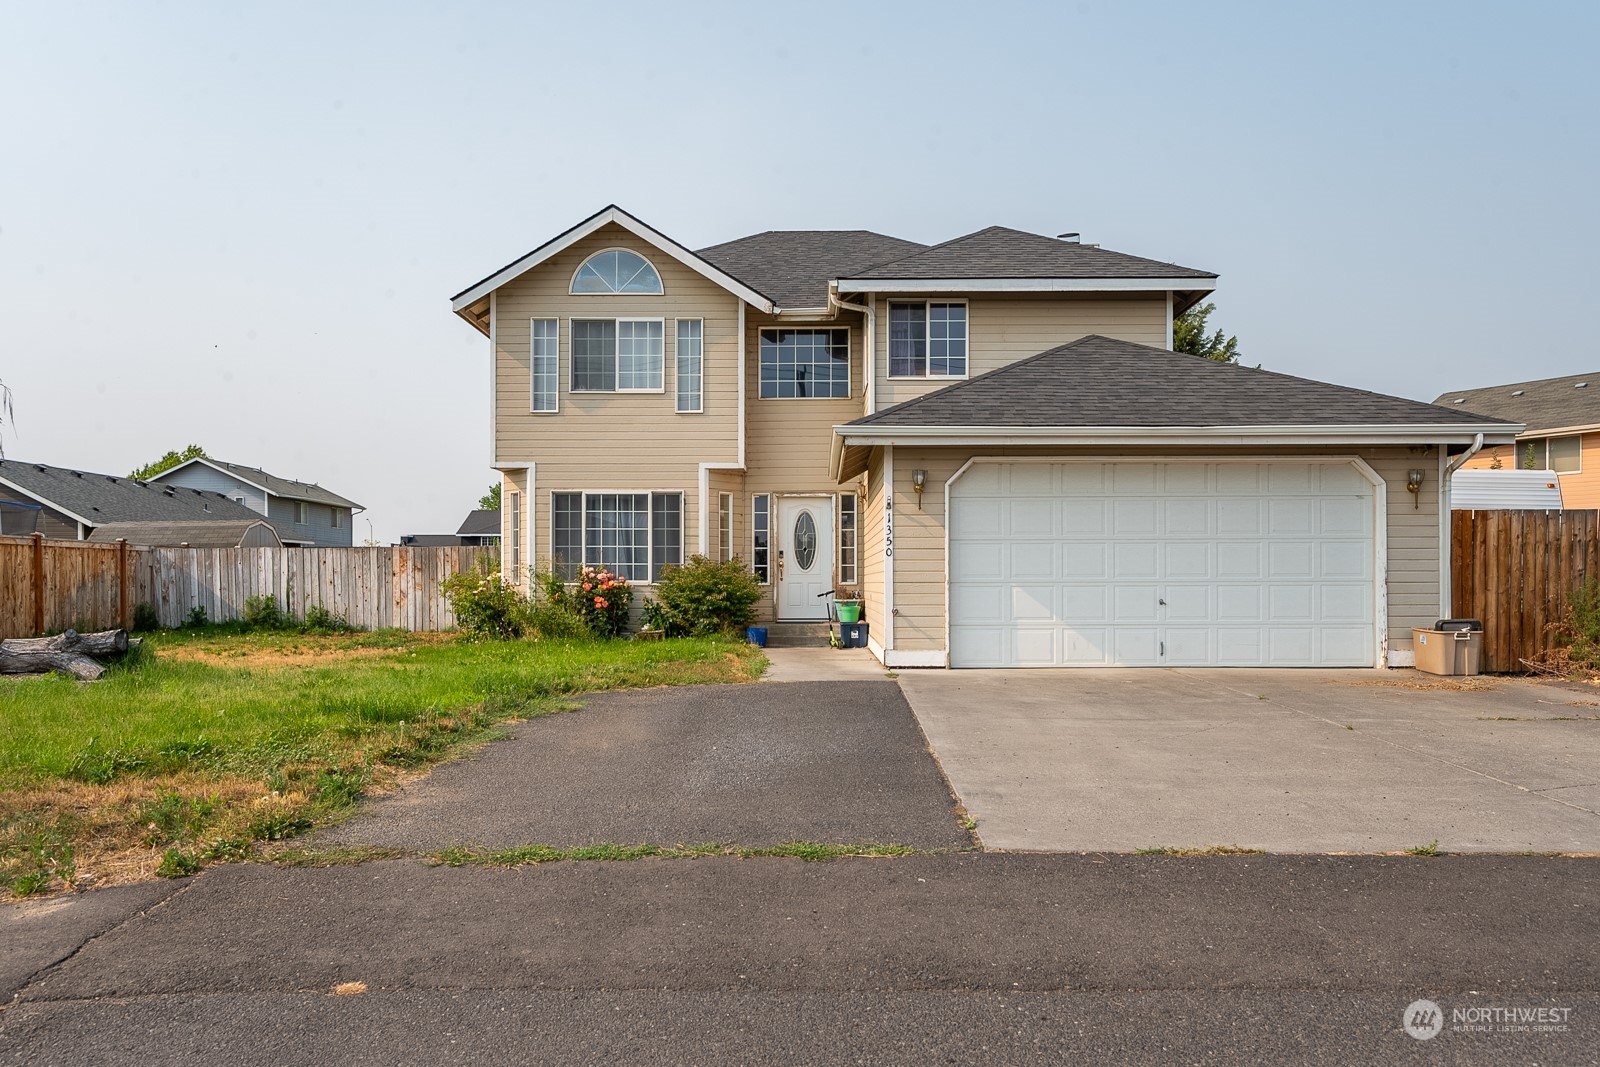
544,361
615,271
302,513
928,340
847,539
724,527
690,356
618,355
635,535
805,364
1565,454
338,517
760,543
514,532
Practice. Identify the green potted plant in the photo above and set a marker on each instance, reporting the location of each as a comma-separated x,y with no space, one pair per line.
848,604
654,616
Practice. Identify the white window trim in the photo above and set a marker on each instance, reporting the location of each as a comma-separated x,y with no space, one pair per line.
302,513
572,363
888,342
513,499
650,530
557,409
849,362
337,519
753,548
701,409
615,248
1550,463
855,534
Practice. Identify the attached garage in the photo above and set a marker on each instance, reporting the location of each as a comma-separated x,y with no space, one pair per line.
1223,563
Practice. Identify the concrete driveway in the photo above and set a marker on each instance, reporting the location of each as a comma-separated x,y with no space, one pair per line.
1287,761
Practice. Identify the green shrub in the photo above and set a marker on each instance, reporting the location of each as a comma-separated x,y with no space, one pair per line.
705,597
145,618
487,606
197,618
263,613
1579,630
553,616
319,620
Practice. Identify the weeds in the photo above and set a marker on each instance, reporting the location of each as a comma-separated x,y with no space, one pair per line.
176,863
1430,849
1203,850
527,855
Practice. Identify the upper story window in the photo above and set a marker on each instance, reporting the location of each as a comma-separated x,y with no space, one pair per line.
1563,455
805,363
617,270
928,340
618,355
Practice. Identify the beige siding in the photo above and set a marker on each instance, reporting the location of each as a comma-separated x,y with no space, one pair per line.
614,440
788,441
1413,559
872,559
1005,328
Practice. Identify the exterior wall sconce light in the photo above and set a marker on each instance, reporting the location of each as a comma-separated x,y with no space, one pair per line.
919,481
1414,478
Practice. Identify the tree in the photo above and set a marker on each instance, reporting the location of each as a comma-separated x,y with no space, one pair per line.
166,463
490,501
1189,335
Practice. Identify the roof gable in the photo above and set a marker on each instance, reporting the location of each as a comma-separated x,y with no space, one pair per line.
1546,404
271,484
97,499
1001,252
611,214
1103,382
794,267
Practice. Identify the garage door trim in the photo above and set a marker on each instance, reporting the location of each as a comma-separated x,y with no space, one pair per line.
1380,533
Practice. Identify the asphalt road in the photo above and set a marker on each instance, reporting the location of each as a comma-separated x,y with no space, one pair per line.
841,762
978,958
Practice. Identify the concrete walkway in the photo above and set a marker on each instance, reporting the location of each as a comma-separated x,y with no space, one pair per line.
822,665
1287,761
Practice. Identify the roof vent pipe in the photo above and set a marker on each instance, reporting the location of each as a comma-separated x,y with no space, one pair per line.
1070,238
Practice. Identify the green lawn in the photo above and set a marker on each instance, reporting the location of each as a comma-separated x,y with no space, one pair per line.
205,744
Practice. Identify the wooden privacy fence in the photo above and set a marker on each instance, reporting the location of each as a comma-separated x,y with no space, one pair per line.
47,586
1516,570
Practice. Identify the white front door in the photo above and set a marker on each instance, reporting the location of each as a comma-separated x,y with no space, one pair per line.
805,556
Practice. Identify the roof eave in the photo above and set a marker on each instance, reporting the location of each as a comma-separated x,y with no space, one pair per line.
1027,285
606,216
1371,434
47,502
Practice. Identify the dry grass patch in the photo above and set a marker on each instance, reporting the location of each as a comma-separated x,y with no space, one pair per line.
1470,684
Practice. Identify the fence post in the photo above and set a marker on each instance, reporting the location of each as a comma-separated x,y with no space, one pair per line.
38,583
124,617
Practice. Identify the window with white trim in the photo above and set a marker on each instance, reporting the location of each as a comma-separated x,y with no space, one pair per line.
690,365
928,340
724,527
847,539
616,270
760,514
514,531
302,513
633,535
544,361
805,364
338,517
618,355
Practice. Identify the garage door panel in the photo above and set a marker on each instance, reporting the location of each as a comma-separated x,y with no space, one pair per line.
1249,563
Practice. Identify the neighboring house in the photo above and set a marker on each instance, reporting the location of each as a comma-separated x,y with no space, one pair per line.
481,528
989,438
304,511
207,533
1561,418
72,504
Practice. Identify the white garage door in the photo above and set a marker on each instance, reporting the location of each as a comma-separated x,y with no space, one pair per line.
1227,563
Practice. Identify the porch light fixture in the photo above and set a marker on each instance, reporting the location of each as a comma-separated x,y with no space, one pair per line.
919,480
1414,478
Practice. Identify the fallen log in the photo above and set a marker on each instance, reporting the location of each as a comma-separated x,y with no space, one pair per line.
66,653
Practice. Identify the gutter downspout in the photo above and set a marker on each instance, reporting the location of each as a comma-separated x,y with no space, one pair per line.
869,360
1446,600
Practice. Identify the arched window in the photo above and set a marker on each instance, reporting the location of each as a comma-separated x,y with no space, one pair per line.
617,270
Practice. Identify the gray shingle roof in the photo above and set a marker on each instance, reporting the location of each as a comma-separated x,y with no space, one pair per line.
1099,381
197,533
480,522
794,267
287,488
1547,404
103,498
999,252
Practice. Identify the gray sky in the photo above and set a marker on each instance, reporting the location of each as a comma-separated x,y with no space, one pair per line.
239,224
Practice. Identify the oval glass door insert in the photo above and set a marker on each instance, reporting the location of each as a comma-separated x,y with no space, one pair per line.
805,540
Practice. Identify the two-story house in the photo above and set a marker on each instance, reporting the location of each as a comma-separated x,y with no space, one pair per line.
989,438
305,513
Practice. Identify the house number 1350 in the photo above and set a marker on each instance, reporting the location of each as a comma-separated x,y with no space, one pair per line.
888,525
